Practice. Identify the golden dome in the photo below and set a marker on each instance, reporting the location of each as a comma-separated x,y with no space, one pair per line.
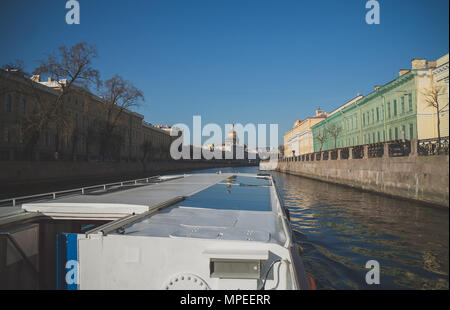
232,137
232,134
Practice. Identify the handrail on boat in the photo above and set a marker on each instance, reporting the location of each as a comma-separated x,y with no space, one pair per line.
299,272
82,190
284,216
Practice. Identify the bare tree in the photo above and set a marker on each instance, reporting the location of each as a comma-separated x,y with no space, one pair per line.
118,95
334,131
432,98
321,137
71,67
71,70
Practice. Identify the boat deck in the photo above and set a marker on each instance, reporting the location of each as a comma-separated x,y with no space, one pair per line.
237,208
227,230
216,206
147,195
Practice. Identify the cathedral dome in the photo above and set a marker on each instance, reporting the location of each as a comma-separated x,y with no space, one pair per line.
232,137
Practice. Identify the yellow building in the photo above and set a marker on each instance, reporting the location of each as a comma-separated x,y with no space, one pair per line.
299,139
432,84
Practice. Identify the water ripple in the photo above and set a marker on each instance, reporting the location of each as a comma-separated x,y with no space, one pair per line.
343,228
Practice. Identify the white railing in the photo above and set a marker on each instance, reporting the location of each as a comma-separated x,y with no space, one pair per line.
82,190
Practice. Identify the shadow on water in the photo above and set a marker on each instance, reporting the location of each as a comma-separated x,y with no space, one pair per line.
340,229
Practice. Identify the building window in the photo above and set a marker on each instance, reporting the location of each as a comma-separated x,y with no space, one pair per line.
403,132
23,105
411,131
390,134
378,133
410,102
389,109
403,105
8,103
396,133
395,107
6,135
373,137
373,117
20,133
378,114
384,135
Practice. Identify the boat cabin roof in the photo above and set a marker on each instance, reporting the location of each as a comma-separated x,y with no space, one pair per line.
216,206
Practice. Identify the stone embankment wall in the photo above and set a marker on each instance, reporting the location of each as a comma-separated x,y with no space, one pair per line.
421,178
23,172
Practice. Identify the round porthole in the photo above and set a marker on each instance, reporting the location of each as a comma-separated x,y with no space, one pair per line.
186,281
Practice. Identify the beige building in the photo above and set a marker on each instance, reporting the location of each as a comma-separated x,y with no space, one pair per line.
433,77
76,133
299,139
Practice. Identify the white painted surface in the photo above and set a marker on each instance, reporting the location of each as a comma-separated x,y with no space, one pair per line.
180,241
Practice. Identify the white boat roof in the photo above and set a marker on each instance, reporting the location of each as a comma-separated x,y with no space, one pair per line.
213,209
118,201
182,222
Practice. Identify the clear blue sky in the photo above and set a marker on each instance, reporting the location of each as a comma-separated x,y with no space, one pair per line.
234,60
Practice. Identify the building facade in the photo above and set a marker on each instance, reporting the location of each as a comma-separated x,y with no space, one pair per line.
28,133
299,140
398,110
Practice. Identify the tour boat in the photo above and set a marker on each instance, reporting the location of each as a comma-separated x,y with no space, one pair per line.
224,231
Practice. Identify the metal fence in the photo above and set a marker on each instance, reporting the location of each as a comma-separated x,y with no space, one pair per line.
429,147
375,150
345,153
399,148
358,152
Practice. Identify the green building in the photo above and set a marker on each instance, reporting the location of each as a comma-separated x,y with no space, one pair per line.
389,113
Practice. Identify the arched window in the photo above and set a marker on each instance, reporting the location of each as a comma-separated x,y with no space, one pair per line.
8,106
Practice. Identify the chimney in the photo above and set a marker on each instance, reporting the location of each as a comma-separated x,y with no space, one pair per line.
377,87
403,71
36,78
419,63
432,64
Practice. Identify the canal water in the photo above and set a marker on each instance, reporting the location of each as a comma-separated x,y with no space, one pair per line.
340,229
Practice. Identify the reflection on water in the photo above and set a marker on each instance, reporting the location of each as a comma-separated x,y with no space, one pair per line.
341,229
